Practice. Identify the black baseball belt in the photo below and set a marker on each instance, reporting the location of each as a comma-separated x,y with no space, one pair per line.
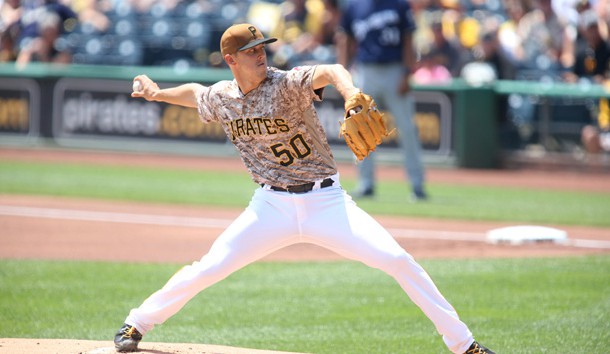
302,188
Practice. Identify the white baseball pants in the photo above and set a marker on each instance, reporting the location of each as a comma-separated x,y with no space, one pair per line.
325,217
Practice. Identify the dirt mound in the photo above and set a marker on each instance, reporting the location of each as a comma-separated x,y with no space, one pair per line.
63,346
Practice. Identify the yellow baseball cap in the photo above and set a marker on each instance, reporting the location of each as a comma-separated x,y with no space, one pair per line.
240,37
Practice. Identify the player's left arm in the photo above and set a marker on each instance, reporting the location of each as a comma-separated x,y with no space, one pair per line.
336,75
363,126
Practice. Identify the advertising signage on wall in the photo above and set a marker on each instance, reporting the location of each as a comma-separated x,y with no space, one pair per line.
433,118
103,109
19,100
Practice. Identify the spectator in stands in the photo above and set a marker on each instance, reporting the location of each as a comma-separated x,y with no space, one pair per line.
602,8
44,48
36,16
8,47
431,70
10,15
331,17
568,9
593,63
299,21
34,11
446,52
508,35
92,12
546,42
592,51
488,50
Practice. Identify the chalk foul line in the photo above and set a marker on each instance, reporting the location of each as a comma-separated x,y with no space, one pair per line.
220,223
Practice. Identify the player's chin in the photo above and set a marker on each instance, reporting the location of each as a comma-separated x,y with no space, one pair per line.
262,69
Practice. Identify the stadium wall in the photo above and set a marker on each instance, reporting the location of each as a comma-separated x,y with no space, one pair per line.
81,106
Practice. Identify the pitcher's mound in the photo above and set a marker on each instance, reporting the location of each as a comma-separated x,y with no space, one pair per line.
76,346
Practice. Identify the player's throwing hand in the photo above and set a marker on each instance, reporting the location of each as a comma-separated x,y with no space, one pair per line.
144,87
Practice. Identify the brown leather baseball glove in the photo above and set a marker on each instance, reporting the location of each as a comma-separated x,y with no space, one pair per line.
363,126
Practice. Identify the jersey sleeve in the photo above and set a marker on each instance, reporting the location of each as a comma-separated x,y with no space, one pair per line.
204,104
299,82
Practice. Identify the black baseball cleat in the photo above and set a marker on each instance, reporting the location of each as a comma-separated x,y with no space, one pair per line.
127,339
476,348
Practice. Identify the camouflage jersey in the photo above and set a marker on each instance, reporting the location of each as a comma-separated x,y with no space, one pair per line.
274,127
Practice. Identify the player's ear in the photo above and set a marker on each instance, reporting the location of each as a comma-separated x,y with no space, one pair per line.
229,59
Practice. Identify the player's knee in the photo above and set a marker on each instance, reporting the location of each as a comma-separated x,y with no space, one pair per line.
208,271
399,263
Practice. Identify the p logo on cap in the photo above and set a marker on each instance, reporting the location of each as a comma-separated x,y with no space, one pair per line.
241,37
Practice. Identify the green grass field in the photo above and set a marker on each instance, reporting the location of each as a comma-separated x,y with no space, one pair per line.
513,305
229,189
542,305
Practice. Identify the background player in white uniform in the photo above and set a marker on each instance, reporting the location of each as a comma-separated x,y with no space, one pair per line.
270,117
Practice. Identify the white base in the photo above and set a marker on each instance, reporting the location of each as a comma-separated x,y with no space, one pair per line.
516,235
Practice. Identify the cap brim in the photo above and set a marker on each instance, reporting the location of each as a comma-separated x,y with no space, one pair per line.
257,42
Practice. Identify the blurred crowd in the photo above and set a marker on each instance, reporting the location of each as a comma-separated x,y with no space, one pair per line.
517,39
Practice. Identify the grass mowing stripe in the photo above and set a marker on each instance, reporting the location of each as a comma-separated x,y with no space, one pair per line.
126,183
513,305
496,203
231,189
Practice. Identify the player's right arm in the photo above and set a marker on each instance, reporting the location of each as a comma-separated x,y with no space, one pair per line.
182,95
336,75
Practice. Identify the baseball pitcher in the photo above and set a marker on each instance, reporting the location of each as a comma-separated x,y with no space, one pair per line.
268,114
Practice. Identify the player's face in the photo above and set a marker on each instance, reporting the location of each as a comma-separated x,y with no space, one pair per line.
253,60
